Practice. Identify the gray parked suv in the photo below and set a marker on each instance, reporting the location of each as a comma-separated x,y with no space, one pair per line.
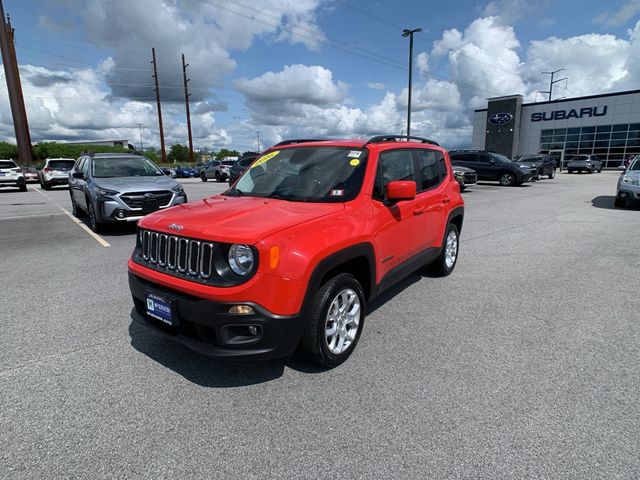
120,187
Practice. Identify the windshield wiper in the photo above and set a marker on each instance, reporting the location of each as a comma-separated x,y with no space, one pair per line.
234,192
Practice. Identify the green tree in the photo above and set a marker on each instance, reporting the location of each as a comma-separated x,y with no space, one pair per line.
178,154
8,150
227,153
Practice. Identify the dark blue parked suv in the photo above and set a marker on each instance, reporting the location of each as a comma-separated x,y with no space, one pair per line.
492,166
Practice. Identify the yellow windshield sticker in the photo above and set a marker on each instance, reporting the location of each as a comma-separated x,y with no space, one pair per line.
265,158
354,162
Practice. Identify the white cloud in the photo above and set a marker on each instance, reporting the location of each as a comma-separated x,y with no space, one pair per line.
376,85
483,60
422,62
511,11
621,16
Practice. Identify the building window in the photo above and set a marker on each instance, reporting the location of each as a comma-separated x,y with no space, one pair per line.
612,143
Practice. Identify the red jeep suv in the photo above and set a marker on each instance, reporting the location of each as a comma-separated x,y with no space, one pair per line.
290,255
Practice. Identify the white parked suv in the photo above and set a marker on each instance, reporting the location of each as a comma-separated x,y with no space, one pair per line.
55,171
216,169
11,175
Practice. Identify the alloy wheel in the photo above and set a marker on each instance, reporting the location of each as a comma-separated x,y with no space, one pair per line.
342,321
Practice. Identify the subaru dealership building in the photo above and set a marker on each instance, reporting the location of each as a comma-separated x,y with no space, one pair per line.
606,125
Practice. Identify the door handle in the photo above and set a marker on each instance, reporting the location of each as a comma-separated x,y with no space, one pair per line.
419,211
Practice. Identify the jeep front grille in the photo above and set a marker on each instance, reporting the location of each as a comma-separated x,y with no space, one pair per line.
193,258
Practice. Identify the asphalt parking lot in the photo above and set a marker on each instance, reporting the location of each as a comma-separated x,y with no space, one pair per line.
521,364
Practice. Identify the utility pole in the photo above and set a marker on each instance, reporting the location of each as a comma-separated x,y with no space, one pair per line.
157,90
258,140
140,130
14,88
552,82
409,33
186,102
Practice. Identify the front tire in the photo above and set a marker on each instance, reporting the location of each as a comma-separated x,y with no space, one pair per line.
75,210
218,177
446,261
336,321
94,224
552,173
507,179
203,177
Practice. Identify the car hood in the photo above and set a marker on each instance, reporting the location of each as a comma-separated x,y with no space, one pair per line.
528,164
136,184
236,219
458,168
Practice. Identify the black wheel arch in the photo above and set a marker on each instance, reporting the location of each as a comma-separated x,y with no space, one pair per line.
358,260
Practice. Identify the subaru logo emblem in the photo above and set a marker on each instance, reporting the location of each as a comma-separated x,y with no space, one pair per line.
500,118
149,197
176,227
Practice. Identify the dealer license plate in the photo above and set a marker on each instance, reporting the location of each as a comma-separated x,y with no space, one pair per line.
161,309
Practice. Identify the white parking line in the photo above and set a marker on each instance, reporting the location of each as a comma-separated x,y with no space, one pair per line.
96,237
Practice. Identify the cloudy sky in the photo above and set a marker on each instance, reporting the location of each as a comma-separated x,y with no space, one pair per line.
304,68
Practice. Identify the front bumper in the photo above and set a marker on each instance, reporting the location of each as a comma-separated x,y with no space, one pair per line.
206,326
113,209
628,192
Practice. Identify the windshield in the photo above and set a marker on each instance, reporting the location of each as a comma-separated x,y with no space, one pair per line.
305,174
635,164
125,167
61,164
580,157
501,158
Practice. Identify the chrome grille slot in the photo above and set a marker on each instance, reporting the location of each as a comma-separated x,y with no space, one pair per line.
172,255
183,253
162,250
153,248
145,244
194,257
206,258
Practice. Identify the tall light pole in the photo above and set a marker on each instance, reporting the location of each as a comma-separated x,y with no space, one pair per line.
140,130
409,33
552,81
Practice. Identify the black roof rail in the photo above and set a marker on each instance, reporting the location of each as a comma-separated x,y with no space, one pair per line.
388,138
298,140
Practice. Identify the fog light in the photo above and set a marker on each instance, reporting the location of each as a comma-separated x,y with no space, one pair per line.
253,330
120,214
622,194
242,310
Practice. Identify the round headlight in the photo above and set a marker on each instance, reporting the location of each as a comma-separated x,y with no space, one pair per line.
241,258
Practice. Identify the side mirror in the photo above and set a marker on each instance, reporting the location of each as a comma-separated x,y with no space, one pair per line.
78,175
622,168
401,190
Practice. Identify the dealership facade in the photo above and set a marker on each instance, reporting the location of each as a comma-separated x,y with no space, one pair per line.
606,125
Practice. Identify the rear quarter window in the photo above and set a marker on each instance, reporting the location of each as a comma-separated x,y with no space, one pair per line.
8,164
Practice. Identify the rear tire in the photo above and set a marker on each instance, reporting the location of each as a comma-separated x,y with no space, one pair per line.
335,323
569,171
218,178
46,186
446,261
203,177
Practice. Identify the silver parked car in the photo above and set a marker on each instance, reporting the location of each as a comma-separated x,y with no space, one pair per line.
120,187
628,191
217,169
586,163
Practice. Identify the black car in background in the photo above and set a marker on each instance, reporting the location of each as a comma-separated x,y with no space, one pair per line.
545,164
492,166
241,165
